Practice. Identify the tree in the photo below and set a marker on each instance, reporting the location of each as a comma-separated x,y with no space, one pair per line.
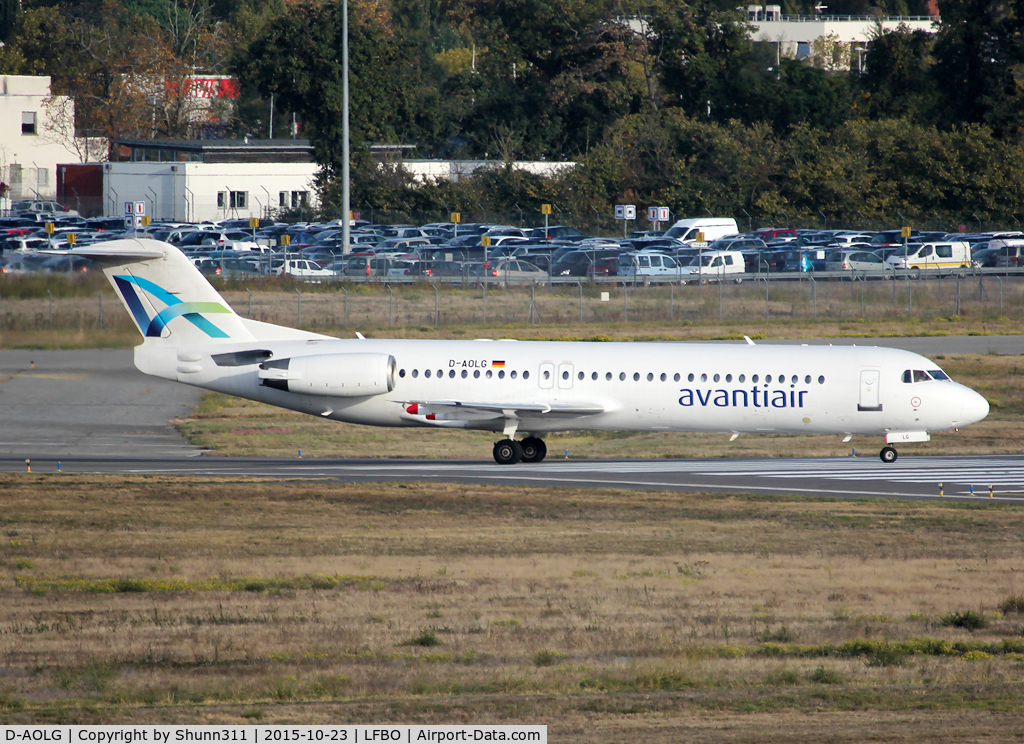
298,61
556,71
706,44
897,76
113,65
10,10
979,63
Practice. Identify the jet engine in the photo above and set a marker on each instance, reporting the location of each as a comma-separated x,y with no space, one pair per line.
335,375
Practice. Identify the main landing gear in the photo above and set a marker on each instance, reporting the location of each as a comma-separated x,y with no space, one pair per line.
509,451
888,455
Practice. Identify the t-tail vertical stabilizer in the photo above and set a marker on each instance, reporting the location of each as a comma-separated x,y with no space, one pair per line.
169,299
177,311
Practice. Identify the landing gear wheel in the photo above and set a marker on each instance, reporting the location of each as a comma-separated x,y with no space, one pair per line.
507,452
534,449
888,455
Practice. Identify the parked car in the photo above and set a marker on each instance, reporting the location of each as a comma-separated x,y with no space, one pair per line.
515,271
956,254
894,237
556,232
368,265
771,233
737,244
234,268
1009,253
580,262
715,265
302,269
757,261
23,263
856,260
649,266
799,259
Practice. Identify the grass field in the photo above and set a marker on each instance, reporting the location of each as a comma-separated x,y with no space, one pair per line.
603,614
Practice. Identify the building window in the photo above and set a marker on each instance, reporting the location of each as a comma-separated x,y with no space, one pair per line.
282,199
300,199
42,177
28,122
232,199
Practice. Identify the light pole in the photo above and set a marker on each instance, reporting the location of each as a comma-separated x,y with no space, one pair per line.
860,59
346,195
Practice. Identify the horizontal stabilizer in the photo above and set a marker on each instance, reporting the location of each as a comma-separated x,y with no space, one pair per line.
106,255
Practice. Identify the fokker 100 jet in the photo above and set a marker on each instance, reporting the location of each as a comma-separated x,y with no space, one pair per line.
191,335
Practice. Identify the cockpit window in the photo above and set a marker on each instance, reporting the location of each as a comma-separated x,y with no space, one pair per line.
919,375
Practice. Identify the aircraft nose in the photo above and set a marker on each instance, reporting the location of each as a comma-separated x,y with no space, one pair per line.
975,407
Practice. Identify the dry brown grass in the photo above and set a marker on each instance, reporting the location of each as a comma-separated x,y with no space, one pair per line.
232,426
603,614
689,312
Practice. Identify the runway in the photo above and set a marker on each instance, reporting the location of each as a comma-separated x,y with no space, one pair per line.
863,477
92,412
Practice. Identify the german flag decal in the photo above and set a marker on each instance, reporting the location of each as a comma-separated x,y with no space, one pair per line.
498,364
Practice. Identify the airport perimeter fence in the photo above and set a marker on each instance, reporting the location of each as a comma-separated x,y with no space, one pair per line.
425,306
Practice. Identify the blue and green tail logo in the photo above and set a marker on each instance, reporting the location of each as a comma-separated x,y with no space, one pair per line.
154,327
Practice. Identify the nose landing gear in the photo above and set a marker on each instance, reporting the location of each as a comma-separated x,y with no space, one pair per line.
888,455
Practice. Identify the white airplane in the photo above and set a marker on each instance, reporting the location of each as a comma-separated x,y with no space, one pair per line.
532,387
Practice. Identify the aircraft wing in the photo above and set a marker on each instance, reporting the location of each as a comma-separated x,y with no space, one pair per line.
455,410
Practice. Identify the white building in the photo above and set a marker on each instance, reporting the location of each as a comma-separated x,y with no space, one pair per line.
429,171
796,35
37,131
197,180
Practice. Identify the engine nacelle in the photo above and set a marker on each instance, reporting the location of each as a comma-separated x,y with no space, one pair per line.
335,375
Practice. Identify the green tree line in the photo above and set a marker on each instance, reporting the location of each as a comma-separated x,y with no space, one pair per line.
656,101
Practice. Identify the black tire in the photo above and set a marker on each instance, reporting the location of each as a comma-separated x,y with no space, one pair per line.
534,449
507,452
888,455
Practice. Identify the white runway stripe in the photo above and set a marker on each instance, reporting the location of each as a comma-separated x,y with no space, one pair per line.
981,472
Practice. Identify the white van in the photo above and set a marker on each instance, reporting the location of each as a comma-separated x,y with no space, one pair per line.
953,255
653,265
712,227
716,266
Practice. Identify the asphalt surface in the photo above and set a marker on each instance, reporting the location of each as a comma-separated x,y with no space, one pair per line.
92,412
960,478
90,403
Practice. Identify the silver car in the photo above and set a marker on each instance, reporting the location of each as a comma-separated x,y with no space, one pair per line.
864,261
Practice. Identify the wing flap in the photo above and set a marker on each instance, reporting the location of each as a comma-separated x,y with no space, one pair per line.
509,409
451,410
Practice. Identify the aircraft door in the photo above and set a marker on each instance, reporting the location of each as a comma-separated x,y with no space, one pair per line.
565,375
546,378
869,398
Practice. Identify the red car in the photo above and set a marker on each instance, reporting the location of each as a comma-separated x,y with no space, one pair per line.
771,233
